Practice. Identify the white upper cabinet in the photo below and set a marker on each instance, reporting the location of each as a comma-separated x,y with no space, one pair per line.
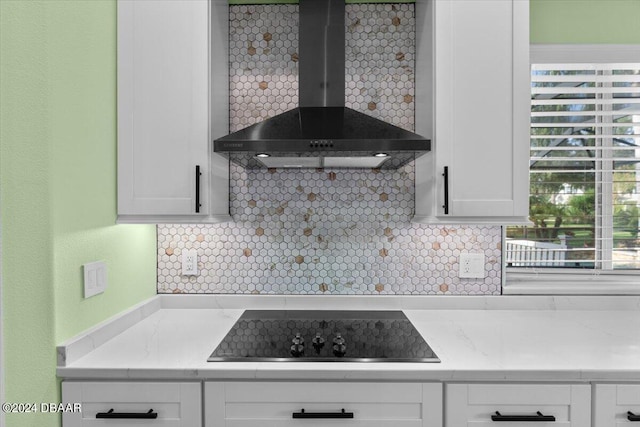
473,99
170,75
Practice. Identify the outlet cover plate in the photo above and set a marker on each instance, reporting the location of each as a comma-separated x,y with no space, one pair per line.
189,262
95,278
471,265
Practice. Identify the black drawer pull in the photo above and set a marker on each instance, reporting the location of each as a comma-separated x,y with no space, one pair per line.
539,417
137,415
198,174
446,190
341,414
632,417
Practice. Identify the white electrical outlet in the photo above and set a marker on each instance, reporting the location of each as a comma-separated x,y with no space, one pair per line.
95,278
471,265
190,262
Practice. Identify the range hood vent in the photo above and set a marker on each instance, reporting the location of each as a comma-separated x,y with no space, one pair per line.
322,132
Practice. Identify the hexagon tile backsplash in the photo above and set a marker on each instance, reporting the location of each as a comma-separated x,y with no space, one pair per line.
379,61
338,231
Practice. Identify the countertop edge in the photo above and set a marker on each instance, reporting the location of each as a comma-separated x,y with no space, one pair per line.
345,374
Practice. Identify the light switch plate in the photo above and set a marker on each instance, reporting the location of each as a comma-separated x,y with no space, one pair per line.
95,278
471,265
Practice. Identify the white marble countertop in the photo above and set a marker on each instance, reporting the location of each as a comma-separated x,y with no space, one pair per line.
543,339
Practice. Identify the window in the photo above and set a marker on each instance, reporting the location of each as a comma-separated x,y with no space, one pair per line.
584,169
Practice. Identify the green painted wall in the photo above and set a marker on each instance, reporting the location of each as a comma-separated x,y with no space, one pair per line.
27,231
58,184
585,21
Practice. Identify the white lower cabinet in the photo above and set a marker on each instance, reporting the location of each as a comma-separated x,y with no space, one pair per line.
129,404
616,405
512,404
353,404
322,404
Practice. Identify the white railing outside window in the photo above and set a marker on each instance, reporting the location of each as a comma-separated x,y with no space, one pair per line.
523,253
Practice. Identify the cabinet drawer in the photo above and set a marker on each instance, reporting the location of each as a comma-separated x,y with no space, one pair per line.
176,404
613,402
475,404
273,404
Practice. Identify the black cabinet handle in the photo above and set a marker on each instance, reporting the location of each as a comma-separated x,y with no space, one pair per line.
198,188
150,415
341,414
632,417
539,417
446,190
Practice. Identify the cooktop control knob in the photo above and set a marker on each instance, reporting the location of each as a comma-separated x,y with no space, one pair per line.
297,349
339,346
298,339
318,342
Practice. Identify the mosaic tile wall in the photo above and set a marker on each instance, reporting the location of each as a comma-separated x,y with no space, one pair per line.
379,61
324,231
263,57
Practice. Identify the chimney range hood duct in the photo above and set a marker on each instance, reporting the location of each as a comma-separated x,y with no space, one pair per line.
322,132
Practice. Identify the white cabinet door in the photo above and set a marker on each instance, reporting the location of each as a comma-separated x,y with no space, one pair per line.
121,404
282,404
616,405
164,115
478,169
475,404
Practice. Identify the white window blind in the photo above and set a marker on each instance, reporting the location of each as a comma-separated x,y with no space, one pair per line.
584,169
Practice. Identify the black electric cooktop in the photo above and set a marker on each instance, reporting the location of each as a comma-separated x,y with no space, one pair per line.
323,336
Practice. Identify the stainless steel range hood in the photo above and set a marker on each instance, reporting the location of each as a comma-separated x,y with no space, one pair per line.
322,132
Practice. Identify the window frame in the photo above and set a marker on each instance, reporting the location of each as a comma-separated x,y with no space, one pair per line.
565,281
